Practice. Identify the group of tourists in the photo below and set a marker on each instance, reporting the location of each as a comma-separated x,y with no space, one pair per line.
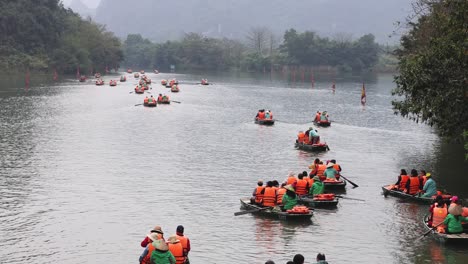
321,117
309,137
452,219
286,196
204,82
158,250
299,259
264,114
414,184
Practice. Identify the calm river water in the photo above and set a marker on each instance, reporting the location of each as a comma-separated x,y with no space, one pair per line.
85,174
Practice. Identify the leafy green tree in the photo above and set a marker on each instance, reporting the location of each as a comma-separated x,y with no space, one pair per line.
432,79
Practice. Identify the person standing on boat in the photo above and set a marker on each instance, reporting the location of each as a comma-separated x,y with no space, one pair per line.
184,240
258,193
269,195
402,180
413,185
331,173
289,198
430,187
317,188
321,259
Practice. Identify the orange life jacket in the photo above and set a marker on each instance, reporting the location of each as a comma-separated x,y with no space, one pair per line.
337,167
183,241
300,137
438,215
159,98
465,212
280,194
147,258
301,187
269,197
178,251
414,185
317,117
404,179
311,181
424,180
306,139
146,100
291,180
261,115
258,194
320,170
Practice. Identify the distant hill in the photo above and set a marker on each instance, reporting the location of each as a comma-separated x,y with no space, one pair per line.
82,9
160,20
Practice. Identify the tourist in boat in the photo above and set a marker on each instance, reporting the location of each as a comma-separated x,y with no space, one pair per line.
280,193
160,97
324,117
269,195
430,187
151,100
438,213
413,185
298,259
330,172
161,254
318,187
258,193
261,114
321,259
320,171
184,240
175,247
336,166
402,180
289,198
314,136
317,116
310,180
165,98
454,222
145,257
455,207
314,167
422,176
159,235
302,185
146,100
291,180
267,114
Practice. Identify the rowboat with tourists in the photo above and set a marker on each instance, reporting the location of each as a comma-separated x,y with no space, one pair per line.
300,214
321,119
310,141
390,190
264,117
150,102
443,237
326,201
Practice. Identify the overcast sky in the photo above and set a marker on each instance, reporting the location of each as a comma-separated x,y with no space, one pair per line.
89,3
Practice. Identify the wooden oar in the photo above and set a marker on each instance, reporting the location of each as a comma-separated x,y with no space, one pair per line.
352,183
251,211
434,227
349,198
176,101
138,104
130,92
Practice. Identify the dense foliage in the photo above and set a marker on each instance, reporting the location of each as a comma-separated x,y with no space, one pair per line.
259,52
433,67
42,34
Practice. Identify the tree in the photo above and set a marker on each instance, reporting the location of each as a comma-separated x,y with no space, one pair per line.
432,80
258,40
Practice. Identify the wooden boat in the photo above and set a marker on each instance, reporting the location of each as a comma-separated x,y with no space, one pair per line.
163,82
113,83
136,75
334,185
97,75
99,82
123,78
316,203
151,104
175,89
246,205
142,72
266,122
139,90
387,190
82,78
164,101
168,85
445,238
313,147
322,123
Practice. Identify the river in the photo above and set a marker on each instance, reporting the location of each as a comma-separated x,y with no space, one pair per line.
85,174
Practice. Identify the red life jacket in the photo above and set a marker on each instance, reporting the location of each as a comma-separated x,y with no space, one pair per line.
269,196
403,180
291,180
414,185
184,242
259,194
301,187
261,115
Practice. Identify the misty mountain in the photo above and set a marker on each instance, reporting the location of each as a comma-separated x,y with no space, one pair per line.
160,20
82,9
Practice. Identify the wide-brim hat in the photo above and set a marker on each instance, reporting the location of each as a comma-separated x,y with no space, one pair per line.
316,178
157,229
160,245
173,240
289,188
153,236
428,175
330,164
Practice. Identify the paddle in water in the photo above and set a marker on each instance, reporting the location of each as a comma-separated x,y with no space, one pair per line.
352,183
176,101
138,104
432,229
349,198
251,211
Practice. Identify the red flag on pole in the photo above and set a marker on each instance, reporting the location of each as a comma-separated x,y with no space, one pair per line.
26,79
333,87
78,72
363,95
55,75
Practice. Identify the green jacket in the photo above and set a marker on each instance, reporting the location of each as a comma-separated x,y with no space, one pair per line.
330,173
162,257
454,225
317,188
289,202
